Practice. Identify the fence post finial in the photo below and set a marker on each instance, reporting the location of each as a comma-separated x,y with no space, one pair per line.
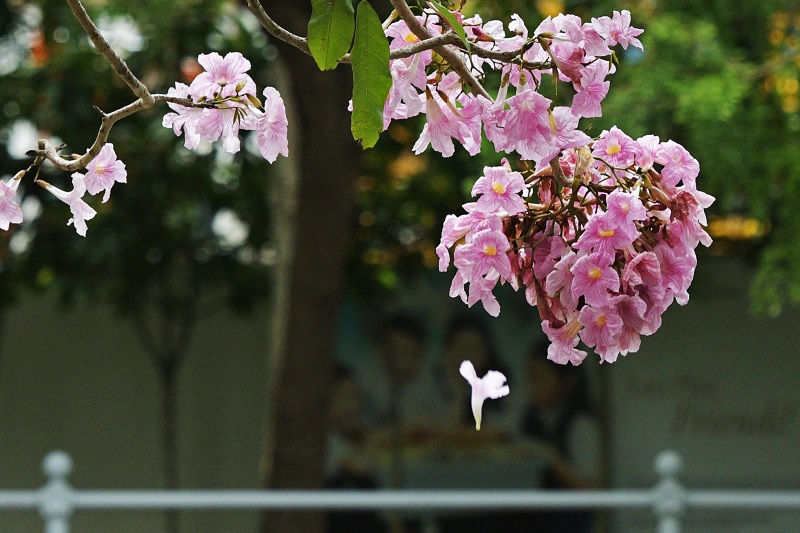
669,498
55,503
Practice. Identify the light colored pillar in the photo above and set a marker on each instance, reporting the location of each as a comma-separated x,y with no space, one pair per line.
55,504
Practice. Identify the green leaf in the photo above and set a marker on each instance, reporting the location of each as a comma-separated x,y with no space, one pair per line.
371,77
330,31
451,20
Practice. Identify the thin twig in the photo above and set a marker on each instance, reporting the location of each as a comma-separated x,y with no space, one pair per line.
275,30
113,59
448,54
428,43
50,152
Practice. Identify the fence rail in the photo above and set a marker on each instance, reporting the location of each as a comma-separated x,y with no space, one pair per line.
57,500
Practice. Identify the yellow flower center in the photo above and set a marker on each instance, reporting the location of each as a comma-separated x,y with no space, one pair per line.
606,233
595,273
411,38
601,321
489,250
613,149
100,169
498,188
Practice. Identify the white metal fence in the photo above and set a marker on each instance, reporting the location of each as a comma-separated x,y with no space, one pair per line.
669,500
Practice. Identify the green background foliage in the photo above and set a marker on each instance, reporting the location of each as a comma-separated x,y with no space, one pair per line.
156,235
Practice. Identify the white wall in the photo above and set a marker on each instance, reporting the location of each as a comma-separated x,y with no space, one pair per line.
79,381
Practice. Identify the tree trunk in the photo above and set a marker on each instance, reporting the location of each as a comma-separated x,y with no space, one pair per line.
327,167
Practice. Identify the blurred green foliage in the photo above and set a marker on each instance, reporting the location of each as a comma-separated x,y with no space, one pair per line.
186,221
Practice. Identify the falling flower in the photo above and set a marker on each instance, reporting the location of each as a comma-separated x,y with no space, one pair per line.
492,385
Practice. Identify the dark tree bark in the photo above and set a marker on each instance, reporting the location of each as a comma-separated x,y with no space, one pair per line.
328,161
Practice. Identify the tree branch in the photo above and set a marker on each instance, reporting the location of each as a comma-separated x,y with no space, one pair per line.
427,43
448,54
50,152
275,30
113,59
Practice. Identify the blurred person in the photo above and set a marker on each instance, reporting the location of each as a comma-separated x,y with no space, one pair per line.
349,462
559,425
401,391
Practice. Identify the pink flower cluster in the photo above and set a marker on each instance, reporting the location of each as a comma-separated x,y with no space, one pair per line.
101,174
602,251
601,232
230,95
227,93
579,53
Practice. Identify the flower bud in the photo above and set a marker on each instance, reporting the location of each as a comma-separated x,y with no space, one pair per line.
240,85
253,100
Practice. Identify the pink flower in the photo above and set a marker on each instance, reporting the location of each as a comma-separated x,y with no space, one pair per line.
222,76
493,117
592,278
271,127
605,233
442,126
616,148
492,385
500,190
10,212
81,212
103,171
618,30
559,281
623,208
592,89
545,256
404,101
649,145
677,270
480,290
679,165
563,342
601,326
218,123
527,124
487,250
453,230
565,133
185,118
594,43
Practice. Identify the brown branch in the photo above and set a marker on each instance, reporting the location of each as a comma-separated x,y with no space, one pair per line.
107,121
301,43
448,54
113,59
558,172
427,42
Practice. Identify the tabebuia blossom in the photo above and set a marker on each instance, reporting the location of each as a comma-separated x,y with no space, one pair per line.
103,171
519,119
598,232
81,211
10,212
602,250
492,385
225,104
